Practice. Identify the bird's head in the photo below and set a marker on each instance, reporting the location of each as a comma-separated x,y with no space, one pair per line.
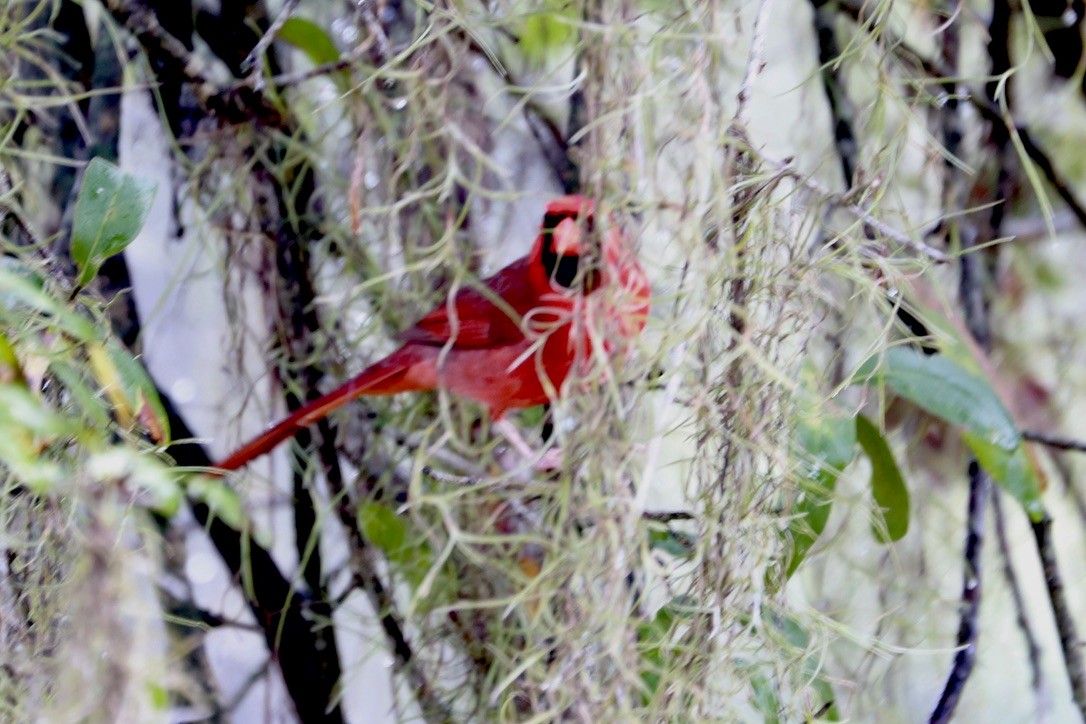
564,241
570,257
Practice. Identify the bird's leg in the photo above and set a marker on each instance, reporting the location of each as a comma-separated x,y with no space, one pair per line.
547,460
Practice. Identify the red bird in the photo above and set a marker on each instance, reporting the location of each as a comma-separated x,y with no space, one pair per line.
509,355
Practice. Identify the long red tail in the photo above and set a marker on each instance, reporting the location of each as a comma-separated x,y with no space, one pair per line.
386,377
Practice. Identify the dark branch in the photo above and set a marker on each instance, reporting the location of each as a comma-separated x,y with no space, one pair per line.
239,104
841,109
310,668
967,628
1033,649
990,111
1065,623
1055,441
667,516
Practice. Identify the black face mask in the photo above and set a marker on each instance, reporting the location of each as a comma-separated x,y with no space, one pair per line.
563,269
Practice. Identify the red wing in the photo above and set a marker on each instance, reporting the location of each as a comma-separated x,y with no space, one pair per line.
472,321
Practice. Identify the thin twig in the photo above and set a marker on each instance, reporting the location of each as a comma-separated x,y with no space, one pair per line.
971,296
255,61
1067,478
286,80
1033,649
1055,441
988,110
827,196
159,45
755,63
967,629
238,104
1000,65
667,516
1070,643
377,33
247,105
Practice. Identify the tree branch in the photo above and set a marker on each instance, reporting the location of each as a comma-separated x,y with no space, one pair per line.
1033,649
1065,623
971,595
989,111
255,59
1055,441
841,109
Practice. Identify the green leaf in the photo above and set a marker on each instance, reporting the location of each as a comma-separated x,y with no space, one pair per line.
20,286
220,499
545,32
24,422
654,642
19,455
140,394
389,532
109,213
765,698
796,636
85,400
533,416
20,409
945,389
672,542
382,526
825,444
1015,471
159,696
651,637
10,369
139,470
887,485
310,38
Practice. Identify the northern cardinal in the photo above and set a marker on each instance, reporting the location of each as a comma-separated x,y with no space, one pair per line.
513,354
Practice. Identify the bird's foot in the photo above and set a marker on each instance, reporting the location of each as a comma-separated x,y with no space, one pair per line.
546,460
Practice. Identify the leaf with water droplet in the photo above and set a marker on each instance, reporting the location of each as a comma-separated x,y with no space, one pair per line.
109,213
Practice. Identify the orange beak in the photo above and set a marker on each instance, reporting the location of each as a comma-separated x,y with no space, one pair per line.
567,238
